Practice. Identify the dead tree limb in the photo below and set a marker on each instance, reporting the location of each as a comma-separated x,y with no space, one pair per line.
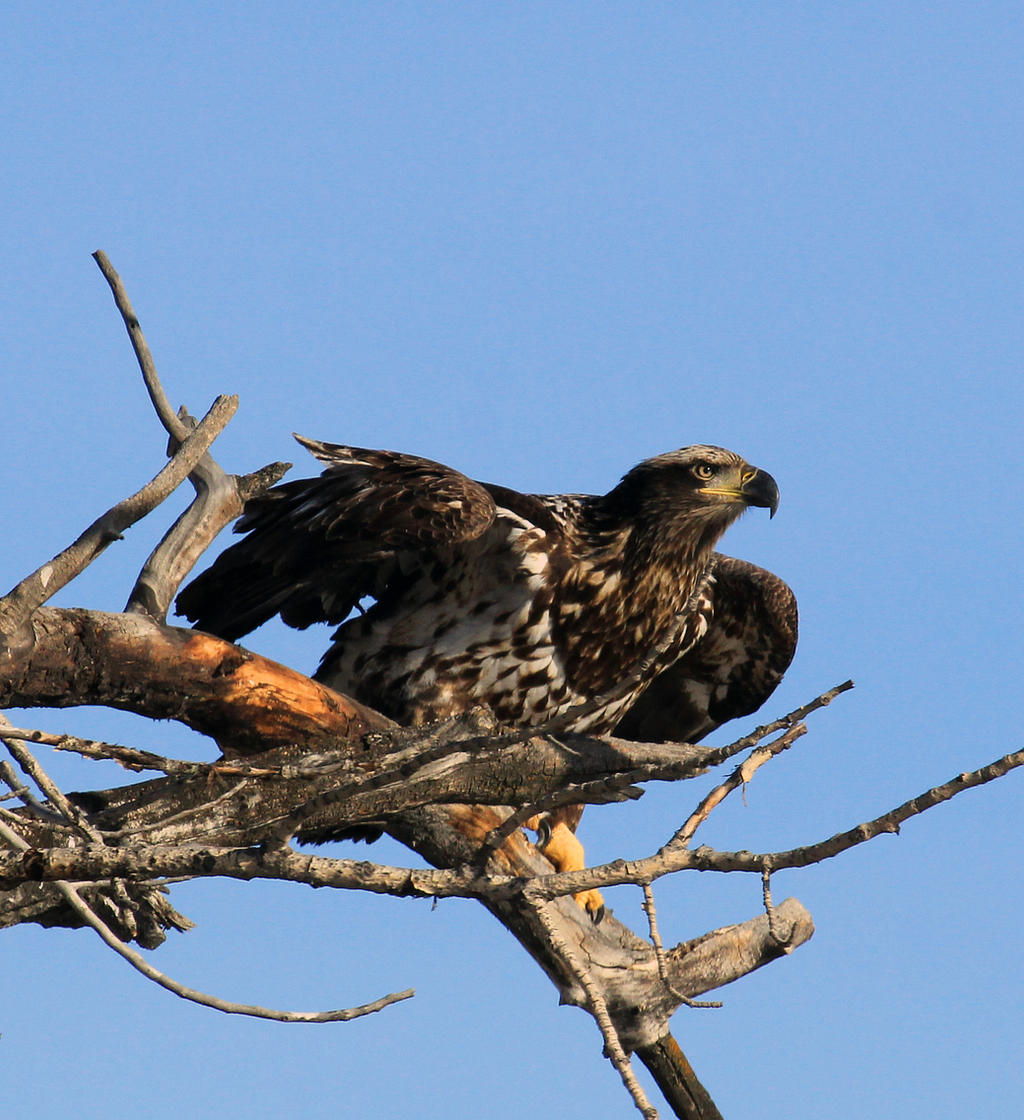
36,589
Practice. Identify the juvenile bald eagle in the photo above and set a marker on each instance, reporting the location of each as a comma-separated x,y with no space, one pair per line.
533,605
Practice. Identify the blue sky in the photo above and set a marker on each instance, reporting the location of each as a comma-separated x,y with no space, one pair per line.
541,242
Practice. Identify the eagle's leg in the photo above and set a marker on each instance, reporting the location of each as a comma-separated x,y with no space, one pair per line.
561,847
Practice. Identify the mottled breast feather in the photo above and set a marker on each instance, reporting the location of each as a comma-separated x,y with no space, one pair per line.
732,670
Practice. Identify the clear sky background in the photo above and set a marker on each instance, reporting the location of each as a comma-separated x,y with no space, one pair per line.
540,242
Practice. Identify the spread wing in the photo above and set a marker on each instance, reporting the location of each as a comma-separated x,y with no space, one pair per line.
315,547
732,670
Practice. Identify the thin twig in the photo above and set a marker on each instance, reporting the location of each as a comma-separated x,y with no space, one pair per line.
174,426
131,758
86,913
20,790
769,907
49,788
659,953
713,758
671,859
220,497
739,777
598,1008
798,715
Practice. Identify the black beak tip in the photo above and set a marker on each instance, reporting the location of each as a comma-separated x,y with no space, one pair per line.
762,490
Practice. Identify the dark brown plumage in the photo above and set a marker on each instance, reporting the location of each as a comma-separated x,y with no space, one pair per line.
533,605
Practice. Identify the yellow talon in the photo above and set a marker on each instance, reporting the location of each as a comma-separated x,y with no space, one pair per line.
565,853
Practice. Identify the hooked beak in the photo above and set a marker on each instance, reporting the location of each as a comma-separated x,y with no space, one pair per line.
759,489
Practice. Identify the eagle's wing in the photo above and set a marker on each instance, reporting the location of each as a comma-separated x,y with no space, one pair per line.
732,670
315,547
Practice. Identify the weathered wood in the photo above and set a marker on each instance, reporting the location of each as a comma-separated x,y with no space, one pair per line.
244,701
40,586
128,661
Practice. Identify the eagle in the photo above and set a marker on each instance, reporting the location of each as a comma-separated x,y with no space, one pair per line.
609,613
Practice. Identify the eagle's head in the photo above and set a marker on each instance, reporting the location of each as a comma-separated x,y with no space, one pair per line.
700,486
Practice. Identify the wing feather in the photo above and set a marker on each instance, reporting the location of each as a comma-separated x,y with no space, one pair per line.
732,670
315,547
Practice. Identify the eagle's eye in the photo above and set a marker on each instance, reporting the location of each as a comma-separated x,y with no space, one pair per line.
704,471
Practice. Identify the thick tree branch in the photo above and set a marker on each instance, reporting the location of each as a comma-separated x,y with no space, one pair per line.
671,1069
245,701
220,498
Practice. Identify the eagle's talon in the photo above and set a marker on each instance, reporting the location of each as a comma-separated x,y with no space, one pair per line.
593,903
543,828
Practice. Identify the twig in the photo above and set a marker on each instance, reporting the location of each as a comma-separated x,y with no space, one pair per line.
598,1008
712,758
798,715
49,788
671,859
659,952
131,758
888,822
740,776
86,913
137,760
219,496
769,907
22,792
174,426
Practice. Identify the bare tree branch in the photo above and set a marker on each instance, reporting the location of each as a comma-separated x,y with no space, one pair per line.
707,859
174,426
140,964
246,701
219,496
30,594
659,952
598,1008
740,776
131,758
672,1071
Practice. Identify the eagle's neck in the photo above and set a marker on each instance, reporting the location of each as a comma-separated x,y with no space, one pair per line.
624,592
